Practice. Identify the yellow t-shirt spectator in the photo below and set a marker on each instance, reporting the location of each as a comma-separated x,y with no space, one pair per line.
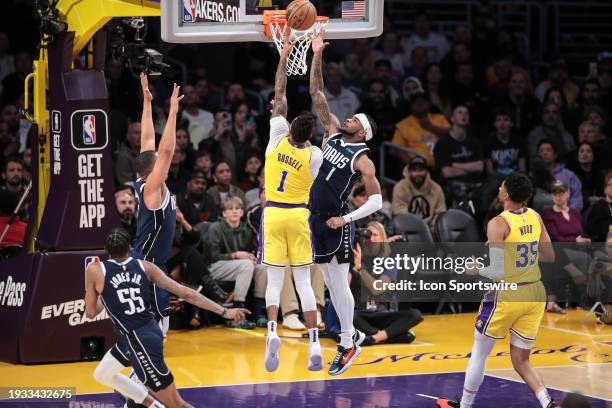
409,133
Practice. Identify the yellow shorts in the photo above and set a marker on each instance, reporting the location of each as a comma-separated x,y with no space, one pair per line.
285,237
501,313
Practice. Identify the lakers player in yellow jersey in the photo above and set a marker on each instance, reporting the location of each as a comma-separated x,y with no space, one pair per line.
517,241
285,238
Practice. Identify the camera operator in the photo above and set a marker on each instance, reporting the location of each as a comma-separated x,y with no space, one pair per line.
373,315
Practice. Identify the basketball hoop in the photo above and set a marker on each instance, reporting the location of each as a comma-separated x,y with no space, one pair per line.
275,21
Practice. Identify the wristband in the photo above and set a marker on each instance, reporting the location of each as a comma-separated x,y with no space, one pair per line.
224,314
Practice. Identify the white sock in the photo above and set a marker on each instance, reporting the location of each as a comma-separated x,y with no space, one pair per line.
313,334
108,373
544,397
336,278
272,327
476,368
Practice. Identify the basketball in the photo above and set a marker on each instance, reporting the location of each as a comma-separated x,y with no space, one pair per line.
301,14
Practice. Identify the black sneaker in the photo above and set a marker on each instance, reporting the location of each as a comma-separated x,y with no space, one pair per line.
344,359
553,404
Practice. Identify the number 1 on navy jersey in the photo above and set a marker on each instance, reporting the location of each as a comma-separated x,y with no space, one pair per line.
281,187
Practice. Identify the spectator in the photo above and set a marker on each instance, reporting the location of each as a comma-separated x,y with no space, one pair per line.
211,99
361,47
7,62
234,96
352,74
200,121
177,174
504,152
437,45
196,204
465,91
125,161
420,131
26,160
410,87
375,317
590,173
389,49
418,62
253,195
418,194
552,130
203,163
383,71
542,181
460,54
604,77
599,218
125,202
548,154
251,171
223,189
498,75
221,141
597,116
459,158
244,135
590,94
440,99
558,77
9,131
523,106
12,84
378,106
13,187
229,243
183,143
342,102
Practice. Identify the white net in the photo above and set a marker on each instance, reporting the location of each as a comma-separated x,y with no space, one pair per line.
296,63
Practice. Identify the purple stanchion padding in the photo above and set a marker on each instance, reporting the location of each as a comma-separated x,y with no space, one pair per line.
401,391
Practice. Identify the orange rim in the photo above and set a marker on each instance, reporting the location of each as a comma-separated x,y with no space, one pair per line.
280,17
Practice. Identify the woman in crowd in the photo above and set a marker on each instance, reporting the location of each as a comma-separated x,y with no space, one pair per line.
590,172
434,86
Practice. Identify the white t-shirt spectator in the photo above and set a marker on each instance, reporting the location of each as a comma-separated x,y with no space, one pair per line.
437,47
200,125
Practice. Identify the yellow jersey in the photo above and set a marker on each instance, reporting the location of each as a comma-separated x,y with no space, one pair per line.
287,173
521,251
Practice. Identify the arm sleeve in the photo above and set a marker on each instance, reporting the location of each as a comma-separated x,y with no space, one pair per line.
316,160
279,128
495,270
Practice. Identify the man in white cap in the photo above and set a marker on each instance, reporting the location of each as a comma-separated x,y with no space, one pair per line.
345,162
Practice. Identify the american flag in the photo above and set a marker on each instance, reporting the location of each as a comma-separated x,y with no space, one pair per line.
353,9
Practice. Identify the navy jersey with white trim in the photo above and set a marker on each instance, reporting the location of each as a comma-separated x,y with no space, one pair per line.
330,191
155,228
126,294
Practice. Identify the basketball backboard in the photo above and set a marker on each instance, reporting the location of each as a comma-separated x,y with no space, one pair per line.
193,21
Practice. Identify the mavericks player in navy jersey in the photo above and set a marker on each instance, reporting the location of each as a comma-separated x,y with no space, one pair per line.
156,215
122,283
345,162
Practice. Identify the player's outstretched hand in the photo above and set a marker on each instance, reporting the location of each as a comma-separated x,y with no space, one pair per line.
318,42
336,222
146,93
237,314
287,42
175,98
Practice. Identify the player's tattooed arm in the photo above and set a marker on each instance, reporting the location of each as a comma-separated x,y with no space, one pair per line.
147,130
280,83
319,102
189,295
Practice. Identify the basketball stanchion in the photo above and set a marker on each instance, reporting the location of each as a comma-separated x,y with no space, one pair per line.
275,21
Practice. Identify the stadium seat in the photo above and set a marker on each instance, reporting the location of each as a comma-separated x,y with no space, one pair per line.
456,226
412,227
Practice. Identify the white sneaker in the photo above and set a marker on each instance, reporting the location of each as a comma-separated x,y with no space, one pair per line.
292,322
315,358
273,344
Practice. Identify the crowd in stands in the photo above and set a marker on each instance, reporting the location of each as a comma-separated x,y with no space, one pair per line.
461,113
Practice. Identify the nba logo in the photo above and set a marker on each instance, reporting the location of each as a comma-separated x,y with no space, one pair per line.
188,11
91,259
89,129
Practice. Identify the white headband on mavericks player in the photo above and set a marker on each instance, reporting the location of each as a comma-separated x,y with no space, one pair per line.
366,126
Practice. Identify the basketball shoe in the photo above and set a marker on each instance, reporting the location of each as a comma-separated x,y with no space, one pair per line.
446,403
273,344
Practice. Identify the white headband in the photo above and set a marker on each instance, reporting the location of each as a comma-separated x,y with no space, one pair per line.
366,126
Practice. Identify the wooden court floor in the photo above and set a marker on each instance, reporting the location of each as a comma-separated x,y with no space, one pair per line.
573,354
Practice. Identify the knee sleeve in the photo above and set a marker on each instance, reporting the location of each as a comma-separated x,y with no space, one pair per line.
107,368
301,277
108,373
275,285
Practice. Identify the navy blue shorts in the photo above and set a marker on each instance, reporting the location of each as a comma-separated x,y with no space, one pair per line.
143,350
160,298
330,243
